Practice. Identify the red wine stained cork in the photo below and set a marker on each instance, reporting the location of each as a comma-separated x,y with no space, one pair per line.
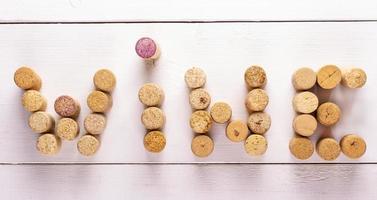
88,145
354,78
147,49
153,118
99,102
154,141
104,80
259,122
255,77
304,79
95,123
48,144
67,129
305,124
150,94
33,101
66,106
237,131
353,146
329,76
200,121
305,102
221,112
328,114
41,122
202,146
199,99
195,78
328,149
301,147
25,78
256,145
256,100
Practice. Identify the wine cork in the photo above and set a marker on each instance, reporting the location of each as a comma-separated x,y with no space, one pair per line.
256,100
48,144
237,131
150,94
328,149
354,78
66,106
147,48
353,146
202,146
41,122
304,79
305,102
255,77
328,114
25,78
153,118
95,123
33,101
88,145
329,76
305,124
259,122
301,147
199,99
99,102
104,80
67,129
154,141
200,121
221,112
256,145
195,78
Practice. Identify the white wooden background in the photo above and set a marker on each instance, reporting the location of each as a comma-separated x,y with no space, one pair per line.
279,35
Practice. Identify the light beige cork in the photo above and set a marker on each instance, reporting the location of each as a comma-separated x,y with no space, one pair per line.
305,102
301,147
329,76
237,131
41,122
95,123
202,146
26,78
328,149
99,102
154,141
256,100
304,79
150,94
195,78
48,144
199,99
67,129
153,118
328,114
200,121
104,80
33,101
354,78
221,112
353,146
304,124
255,77
88,145
256,145
66,106
259,122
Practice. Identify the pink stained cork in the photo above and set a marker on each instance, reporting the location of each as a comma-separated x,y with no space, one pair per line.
147,48
66,106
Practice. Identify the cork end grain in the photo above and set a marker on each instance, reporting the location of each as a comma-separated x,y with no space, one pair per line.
256,100
305,125
301,147
328,149
259,122
237,131
48,144
200,121
354,78
67,129
66,106
33,101
202,146
88,145
104,80
41,122
329,76
154,141
147,48
256,145
353,146
199,99
255,77
195,78
26,79
328,114
304,79
99,102
150,94
153,118
305,102
95,123
221,112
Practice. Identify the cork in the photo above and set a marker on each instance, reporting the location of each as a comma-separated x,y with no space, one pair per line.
301,147
328,149
48,144
154,141
104,80
33,101
304,79
221,112
41,122
304,125
353,146
66,106
99,102
147,48
354,78
195,78
255,77
259,122
256,145
67,129
329,76
153,118
199,99
200,121
237,131
95,123
328,114
26,78
88,145
305,102
256,100
150,94
202,146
